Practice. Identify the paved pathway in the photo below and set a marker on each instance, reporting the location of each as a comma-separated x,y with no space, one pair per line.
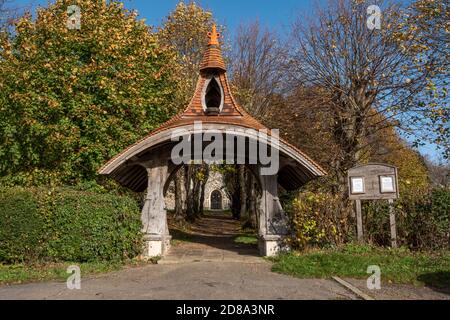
198,280
211,239
209,266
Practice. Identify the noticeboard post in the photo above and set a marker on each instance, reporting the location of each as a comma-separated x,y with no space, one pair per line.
374,181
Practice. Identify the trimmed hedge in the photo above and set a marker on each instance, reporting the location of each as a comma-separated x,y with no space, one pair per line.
21,226
38,224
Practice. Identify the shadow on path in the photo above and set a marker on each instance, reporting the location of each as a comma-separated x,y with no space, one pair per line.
437,281
210,238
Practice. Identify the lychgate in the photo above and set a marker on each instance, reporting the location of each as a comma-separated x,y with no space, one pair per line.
149,164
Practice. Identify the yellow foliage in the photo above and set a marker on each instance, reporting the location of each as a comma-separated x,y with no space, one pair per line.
412,171
317,219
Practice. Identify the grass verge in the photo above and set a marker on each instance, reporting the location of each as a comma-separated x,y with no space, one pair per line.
246,239
21,273
397,265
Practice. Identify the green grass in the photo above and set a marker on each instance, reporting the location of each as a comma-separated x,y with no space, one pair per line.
399,265
246,239
21,273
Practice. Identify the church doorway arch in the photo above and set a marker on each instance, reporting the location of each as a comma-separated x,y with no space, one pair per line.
216,200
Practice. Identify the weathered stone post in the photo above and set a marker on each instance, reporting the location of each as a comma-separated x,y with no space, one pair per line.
273,222
154,215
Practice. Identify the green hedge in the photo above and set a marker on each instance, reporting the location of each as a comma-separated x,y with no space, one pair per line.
423,221
21,226
320,219
38,224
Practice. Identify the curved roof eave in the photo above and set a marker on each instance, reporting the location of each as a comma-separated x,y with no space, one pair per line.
166,135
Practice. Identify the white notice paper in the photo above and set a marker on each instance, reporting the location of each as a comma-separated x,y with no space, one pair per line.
387,184
357,185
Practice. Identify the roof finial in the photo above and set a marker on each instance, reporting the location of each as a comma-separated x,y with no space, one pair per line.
213,36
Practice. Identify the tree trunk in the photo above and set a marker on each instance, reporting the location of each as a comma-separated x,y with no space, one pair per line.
178,195
252,194
202,188
236,196
196,190
190,213
243,191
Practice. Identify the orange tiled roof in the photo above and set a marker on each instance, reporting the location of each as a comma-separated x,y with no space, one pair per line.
212,59
231,113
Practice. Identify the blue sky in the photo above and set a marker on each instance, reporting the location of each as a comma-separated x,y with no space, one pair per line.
231,13
274,14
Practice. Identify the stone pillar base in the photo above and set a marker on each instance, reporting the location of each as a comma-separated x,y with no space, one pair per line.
156,245
166,243
271,245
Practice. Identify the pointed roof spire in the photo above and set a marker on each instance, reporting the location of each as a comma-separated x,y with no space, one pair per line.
212,59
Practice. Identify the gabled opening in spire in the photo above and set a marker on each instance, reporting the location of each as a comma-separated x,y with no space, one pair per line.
213,98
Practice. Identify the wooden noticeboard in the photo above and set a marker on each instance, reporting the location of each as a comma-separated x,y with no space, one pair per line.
373,181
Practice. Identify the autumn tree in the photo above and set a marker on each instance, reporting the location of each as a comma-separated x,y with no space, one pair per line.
424,33
302,123
359,76
352,90
309,128
257,65
72,98
388,147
